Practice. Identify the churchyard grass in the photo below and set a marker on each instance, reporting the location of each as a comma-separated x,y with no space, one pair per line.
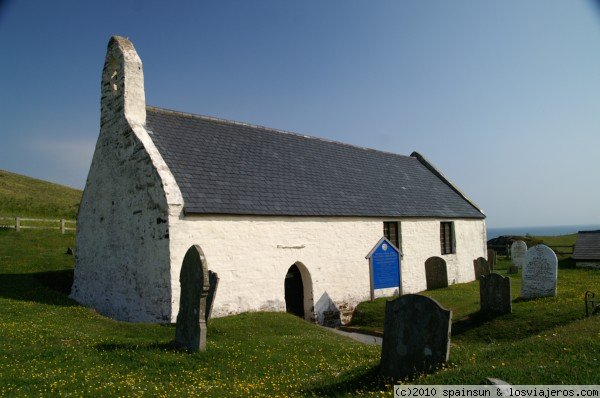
50,346
543,341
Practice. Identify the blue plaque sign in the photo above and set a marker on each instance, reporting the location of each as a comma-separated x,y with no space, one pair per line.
384,266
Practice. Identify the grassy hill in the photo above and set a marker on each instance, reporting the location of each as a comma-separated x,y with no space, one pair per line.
29,197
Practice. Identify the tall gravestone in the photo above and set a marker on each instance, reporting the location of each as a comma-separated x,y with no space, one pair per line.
416,336
540,273
190,330
492,258
481,267
494,294
517,253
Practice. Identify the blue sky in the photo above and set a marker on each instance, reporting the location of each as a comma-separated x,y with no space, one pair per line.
502,96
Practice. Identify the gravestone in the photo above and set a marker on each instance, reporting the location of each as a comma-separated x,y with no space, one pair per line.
539,273
517,253
436,274
494,295
481,267
492,259
190,330
416,336
213,283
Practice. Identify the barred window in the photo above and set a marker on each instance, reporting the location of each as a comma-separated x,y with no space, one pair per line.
390,231
447,237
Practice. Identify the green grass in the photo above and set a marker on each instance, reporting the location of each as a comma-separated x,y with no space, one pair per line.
543,341
51,346
28,197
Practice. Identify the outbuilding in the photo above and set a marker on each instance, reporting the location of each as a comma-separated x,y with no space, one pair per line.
284,219
587,249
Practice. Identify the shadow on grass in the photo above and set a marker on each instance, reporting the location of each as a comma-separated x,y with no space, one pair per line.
171,346
566,262
471,321
52,287
353,383
61,281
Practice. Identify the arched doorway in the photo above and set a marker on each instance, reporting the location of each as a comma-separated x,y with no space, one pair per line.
294,292
298,292
436,274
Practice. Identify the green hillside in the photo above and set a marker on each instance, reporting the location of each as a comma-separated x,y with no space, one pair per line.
29,197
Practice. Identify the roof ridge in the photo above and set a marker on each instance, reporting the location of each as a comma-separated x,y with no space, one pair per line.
235,122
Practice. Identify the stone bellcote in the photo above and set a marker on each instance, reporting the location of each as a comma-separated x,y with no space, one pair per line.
122,84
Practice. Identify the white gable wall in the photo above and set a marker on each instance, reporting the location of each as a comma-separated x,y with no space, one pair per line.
122,255
251,255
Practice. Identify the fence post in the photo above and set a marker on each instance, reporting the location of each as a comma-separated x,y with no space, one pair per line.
17,224
62,226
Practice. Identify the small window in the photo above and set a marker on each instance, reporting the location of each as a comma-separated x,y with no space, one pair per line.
390,231
447,237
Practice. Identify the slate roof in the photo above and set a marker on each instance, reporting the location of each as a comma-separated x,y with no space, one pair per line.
587,246
225,167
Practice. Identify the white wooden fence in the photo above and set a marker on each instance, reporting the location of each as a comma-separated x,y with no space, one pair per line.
19,223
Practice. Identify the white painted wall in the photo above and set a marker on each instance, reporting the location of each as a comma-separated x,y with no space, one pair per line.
122,258
251,254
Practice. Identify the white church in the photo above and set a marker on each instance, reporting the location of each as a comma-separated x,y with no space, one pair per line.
285,220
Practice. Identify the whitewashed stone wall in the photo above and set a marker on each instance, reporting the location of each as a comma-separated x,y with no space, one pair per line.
122,259
252,255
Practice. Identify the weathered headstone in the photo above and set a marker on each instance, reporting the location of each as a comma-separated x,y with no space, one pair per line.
213,282
481,267
190,331
517,253
436,274
540,272
492,258
416,336
494,294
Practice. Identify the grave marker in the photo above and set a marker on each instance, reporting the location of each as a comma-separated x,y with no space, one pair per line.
213,282
517,253
436,273
540,273
492,258
190,330
416,336
481,267
494,294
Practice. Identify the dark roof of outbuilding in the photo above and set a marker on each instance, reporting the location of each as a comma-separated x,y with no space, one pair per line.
587,246
225,167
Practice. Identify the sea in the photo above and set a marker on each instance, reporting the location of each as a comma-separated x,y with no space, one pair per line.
541,231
